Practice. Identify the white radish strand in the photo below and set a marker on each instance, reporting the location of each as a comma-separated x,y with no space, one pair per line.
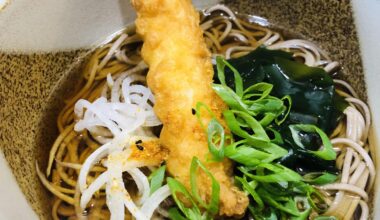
155,200
115,198
142,184
115,115
92,189
90,161
129,109
115,185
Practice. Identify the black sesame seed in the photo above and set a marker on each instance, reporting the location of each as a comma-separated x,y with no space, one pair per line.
193,111
140,147
138,142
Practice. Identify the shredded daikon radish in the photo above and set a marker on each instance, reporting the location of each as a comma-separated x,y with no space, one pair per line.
124,116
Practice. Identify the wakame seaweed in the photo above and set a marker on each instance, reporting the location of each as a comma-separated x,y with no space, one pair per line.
313,96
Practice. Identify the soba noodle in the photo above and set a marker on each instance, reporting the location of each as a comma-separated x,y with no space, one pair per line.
113,80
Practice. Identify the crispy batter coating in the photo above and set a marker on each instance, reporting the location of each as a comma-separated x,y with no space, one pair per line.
150,152
180,76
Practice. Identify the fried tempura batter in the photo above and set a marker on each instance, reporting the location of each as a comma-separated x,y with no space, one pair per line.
149,152
180,76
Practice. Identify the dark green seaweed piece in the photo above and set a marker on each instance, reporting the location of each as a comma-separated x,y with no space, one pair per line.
313,96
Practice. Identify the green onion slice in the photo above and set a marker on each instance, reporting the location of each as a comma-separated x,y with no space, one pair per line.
276,173
215,139
157,178
176,188
220,65
319,178
327,153
213,206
